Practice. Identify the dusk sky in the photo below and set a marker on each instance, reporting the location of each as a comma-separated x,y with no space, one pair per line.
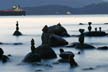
6,4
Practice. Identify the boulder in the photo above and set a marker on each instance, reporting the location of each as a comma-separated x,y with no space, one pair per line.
45,52
95,33
53,40
32,57
58,30
57,41
3,58
78,46
17,33
65,54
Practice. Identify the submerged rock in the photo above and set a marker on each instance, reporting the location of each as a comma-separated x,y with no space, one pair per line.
90,68
78,46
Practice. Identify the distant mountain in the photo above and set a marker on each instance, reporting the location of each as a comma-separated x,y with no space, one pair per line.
48,10
100,8
6,4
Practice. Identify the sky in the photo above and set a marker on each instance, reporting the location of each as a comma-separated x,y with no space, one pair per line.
6,4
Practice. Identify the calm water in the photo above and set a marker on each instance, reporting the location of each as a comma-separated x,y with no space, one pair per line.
31,27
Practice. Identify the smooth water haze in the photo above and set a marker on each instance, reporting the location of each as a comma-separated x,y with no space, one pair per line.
31,27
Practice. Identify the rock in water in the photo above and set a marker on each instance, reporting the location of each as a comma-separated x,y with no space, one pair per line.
78,46
45,52
103,48
32,57
58,30
57,41
95,33
17,32
52,39
65,54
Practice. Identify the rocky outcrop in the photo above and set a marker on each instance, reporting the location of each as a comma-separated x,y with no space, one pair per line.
51,38
41,52
78,46
94,33
58,30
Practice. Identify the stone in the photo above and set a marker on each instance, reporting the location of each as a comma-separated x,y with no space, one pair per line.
32,57
45,52
58,30
53,40
103,48
17,32
95,33
78,46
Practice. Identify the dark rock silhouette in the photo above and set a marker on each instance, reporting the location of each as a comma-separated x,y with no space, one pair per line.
81,37
58,30
32,56
45,52
18,43
17,32
96,29
72,61
41,52
94,33
81,44
78,46
51,38
67,56
100,29
3,58
89,27
103,48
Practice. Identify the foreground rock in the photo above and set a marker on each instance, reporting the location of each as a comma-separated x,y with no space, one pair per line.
32,57
3,58
78,46
45,52
52,39
17,32
67,56
41,52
